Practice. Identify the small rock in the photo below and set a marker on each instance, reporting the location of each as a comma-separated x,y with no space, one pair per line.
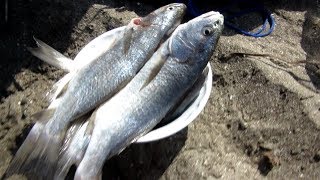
316,157
266,145
294,152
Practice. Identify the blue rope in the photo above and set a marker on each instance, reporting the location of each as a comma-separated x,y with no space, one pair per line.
261,32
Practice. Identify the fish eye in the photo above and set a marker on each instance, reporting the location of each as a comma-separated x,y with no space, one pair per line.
207,31
170,8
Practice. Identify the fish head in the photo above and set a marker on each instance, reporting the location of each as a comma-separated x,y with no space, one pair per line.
196,39
167,18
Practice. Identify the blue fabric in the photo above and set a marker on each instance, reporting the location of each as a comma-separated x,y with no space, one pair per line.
268,21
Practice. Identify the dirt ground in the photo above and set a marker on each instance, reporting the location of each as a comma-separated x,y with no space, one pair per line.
262,119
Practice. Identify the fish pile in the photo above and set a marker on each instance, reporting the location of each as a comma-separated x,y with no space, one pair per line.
118,88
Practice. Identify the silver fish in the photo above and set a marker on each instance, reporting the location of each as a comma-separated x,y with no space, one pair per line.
129,115
90,86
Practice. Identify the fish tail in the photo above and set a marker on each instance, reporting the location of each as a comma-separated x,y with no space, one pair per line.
65,162
25,149
92,162
51,56
63,167
38,156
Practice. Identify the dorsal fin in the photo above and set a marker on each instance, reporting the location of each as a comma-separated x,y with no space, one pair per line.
90,126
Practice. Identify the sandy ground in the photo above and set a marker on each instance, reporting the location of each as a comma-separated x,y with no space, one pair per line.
262,119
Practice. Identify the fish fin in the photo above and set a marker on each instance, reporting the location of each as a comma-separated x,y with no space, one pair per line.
38,156
63,90
72,155
127,38
97,177
157,61
76,125
204,72
90,126
185,101
51,56
67,158
63,167
22,154
44,115
72,130
59,87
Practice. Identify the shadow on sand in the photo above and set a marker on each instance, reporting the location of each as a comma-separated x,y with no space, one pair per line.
146,161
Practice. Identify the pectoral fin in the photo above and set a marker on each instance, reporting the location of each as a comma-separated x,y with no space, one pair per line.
59,87
127,39
90,126
155,64
44,115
